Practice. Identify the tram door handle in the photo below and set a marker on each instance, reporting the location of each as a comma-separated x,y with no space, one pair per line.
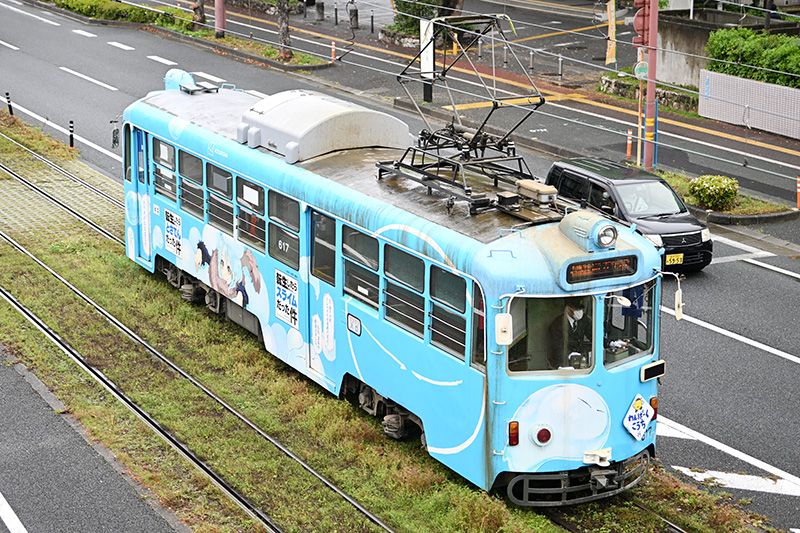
504,329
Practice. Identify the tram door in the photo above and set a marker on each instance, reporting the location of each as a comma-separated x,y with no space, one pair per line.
141,186
322,277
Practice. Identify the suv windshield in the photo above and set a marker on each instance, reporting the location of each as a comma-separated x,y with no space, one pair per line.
649,198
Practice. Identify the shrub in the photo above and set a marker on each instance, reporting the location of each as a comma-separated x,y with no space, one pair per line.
406,18
776,55
714,192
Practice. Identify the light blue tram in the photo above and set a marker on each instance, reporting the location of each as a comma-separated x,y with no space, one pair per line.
522,348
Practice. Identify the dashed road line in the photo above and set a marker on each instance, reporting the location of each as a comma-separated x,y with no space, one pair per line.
3,43
23,12
121,46
87,78
209,77
162,60
84,33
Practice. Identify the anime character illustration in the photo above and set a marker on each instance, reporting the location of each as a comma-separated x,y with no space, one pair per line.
227,277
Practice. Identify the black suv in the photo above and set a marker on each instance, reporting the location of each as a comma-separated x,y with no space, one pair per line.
637,197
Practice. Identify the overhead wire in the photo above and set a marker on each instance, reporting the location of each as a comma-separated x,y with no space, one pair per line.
466,93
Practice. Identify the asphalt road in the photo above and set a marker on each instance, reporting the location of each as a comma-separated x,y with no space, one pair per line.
728,378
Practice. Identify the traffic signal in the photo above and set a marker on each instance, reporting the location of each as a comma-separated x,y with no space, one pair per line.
641,23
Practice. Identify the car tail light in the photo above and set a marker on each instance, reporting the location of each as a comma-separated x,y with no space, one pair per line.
513,433
654,405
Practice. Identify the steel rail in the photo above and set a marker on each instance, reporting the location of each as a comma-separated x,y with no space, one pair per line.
99,229
143,415
66,173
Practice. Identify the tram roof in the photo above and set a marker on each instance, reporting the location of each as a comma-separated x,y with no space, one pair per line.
222,112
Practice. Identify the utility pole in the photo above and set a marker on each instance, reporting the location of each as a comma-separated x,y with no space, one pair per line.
645,22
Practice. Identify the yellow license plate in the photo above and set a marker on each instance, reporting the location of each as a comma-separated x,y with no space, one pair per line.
674,259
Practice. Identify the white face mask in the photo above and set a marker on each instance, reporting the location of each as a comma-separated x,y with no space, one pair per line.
577,314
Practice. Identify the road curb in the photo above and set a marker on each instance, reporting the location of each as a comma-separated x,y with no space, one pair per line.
726,219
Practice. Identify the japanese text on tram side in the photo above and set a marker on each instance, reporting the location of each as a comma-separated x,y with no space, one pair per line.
172,231
286,302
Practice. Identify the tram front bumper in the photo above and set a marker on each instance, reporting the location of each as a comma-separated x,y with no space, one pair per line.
577,486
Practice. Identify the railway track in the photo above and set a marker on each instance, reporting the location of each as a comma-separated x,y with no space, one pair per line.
117,391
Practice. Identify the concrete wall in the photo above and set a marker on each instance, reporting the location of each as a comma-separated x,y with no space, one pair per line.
677,33
755,104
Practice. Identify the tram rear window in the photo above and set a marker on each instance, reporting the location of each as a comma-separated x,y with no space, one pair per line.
602,269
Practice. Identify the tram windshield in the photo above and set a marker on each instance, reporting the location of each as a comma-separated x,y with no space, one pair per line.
558,333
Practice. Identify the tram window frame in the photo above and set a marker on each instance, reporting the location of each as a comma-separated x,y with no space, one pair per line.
126,151
190,167
193,199
323,247
220,213
634,346
165,183
444,290
163,154
219,180
403,267
250,195
532,348
360,247
478,357
251,229
404,308
284,210
288,254
448,330
361,254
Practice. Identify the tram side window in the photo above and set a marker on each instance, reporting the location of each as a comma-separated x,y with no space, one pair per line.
163,170
220,208
478,329
628,331
252,228
284,245
360,251
190,169
323,248
284,210
448,325
404,307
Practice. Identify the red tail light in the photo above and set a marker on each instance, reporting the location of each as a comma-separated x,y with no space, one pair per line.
654,405
544,435
513,433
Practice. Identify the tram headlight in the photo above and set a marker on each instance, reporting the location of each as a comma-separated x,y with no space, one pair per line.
607,236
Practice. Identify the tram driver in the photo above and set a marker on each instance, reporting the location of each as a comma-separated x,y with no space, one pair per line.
570,336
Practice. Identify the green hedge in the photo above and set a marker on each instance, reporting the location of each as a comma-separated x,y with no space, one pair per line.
745,49
714,192
405,18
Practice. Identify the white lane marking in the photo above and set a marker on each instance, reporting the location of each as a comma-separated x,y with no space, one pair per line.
8,45
44,121
256,93
84,33
743,481
737,244
779,270
752,251
87,78
209,77
10,518
736,336
121,46
775,471
162,60
21,12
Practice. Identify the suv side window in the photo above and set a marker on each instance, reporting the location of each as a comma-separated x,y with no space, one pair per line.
602,199
571,186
